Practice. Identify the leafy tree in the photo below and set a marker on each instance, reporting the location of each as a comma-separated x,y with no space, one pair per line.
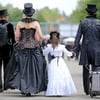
1,6
47,15
15,15
43,15
39,15
79,13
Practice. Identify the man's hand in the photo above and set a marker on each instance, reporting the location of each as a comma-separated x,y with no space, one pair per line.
73,55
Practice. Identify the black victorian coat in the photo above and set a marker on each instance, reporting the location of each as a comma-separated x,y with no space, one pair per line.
89,31
6,50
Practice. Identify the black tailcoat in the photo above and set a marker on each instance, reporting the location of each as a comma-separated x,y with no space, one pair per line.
89,31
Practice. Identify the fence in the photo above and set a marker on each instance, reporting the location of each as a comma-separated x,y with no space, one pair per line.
66,30
45,27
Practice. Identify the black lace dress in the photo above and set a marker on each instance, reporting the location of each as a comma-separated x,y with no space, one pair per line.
27,66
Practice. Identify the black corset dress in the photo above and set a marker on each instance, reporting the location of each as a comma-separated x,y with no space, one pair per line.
27,67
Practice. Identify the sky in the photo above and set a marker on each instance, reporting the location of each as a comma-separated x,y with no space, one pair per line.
63,5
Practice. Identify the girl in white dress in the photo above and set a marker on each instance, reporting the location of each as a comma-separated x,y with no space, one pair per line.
60,82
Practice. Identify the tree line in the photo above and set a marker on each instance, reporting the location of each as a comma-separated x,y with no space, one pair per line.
44,15
80,13
54,15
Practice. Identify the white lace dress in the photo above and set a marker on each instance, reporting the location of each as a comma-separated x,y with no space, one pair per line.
60,82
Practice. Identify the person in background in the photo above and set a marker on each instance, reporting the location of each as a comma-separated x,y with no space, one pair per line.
89,32
7,40
60,82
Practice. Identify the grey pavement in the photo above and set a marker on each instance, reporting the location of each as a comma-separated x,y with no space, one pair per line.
76,72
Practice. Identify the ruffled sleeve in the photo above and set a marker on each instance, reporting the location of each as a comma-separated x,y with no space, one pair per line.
46,50
66,52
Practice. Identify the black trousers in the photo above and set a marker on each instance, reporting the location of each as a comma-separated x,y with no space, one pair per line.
4,58
3,64
86,79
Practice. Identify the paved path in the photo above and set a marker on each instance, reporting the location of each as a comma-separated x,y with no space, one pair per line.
76,73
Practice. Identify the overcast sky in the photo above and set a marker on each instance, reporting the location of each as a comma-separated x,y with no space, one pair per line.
63,5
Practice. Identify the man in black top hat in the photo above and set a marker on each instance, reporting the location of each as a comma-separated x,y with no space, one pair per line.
89,31
5,50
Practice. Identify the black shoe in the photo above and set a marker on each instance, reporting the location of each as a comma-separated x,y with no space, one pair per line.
9,87
87,93
5,89
23,93
26,94
12,88
1,90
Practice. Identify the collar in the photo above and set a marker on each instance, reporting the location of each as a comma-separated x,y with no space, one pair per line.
91,16
28,20
3,21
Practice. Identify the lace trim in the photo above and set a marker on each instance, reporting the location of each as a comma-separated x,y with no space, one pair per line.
28,20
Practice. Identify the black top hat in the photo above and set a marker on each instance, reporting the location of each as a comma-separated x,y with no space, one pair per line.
56,33
3,12
91,8
28,9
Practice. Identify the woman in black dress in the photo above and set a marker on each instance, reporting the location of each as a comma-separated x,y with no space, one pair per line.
28,63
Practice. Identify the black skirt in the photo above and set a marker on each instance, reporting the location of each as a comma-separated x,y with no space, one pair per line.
27,71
